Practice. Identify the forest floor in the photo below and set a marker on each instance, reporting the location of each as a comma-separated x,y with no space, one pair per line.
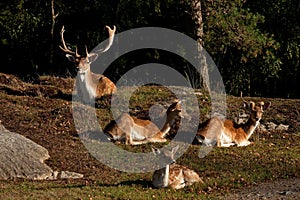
42,111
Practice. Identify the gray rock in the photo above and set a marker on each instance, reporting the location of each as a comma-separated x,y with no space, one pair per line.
2,127
53,176
70,175
64,175
271,126
21,157
262,128
282,127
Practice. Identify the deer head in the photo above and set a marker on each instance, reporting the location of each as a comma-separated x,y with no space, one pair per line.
176,109
83,62
167,155
256,110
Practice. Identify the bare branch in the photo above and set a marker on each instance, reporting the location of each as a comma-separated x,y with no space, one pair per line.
54,16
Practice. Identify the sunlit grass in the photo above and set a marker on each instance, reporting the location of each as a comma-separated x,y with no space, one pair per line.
48,121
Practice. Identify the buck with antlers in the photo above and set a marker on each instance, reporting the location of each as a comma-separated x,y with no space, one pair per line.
136,131
173,175
225,133
92,85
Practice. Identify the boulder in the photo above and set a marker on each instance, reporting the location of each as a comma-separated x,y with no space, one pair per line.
271,126
64,175
22,158
282,127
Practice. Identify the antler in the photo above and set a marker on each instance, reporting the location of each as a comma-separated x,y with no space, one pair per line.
247,104
89,55
111,35
64,47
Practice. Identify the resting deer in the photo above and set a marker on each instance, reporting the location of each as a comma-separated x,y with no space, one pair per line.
226,133
173,175
139,131
92,85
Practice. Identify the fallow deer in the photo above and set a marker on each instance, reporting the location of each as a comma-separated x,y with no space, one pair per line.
225,133
173,175
140,131
92,85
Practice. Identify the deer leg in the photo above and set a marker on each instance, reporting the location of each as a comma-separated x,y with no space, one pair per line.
157,139
227,144
135,142
219,143
244,143
128,136
177,184
209,142
222,143
145,141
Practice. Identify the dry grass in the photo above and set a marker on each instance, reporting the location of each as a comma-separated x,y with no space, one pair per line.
42,112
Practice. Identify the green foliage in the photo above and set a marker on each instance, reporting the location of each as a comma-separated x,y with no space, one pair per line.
253,43
22,27
282,20
17,21
242,51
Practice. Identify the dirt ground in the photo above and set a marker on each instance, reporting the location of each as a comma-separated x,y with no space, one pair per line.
49,122
276,190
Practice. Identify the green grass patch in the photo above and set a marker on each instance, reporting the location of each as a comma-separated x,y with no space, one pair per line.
48,121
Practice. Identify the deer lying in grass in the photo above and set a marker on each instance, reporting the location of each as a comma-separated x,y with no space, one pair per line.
226,133
139,131
173,175
92,85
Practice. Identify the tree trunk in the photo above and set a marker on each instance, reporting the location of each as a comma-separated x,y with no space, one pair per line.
54,16
196,14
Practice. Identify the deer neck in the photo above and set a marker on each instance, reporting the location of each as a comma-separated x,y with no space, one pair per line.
250,127
167,126
87,80
164,176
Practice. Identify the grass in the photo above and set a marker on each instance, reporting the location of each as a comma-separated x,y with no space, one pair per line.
47,120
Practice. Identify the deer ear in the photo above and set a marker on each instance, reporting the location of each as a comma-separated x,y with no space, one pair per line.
245,105
252,105
178,105
175,149
70,57
93,57
249,105
155,150
178,101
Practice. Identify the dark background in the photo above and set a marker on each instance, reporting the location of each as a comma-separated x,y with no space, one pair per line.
255,44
